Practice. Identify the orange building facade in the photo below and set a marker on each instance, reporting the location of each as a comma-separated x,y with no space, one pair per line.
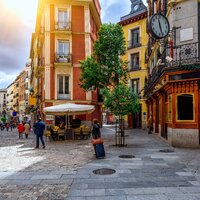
172,90
65,34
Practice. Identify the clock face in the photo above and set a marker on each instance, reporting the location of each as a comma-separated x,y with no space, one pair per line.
135,7
159,26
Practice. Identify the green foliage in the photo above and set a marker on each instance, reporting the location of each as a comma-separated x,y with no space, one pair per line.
121,100
107,71
92,76
105,67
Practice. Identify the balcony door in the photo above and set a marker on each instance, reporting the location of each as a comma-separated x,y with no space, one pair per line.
135,85
62,19
63,54
135,37
135,62
63,87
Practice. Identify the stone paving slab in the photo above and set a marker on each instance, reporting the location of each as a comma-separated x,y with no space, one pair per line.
151,175
64,170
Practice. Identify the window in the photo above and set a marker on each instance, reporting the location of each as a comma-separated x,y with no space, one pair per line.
135,61
170,108
135,37
63,87
185,108
63,48
62,19
135,85
26,86
63,51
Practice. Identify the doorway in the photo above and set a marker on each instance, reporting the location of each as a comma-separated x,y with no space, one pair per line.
137,118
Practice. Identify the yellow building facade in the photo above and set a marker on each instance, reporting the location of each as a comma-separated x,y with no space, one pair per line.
134,27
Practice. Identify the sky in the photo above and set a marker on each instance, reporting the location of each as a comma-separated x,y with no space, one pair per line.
17,22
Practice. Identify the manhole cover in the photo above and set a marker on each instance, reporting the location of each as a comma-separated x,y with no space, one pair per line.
104,171
167,150
126,156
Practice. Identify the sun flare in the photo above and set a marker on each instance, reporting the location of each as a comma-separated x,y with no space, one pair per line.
26,9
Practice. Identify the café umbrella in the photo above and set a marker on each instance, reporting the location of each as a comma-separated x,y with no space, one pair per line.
69,109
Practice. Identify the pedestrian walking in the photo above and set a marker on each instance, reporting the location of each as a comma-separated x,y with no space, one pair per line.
96,133
20,129
7,125
39,128
97,140
150,124
27,129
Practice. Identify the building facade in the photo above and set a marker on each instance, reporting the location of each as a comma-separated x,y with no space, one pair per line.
134,27
10,102
3,103
64,35
16,95
173,86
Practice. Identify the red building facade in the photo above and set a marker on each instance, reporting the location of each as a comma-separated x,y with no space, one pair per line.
65,34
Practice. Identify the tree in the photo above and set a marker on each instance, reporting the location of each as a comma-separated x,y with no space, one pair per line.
104,68
121,100
106,71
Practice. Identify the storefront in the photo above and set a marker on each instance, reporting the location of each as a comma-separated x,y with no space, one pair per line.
174,102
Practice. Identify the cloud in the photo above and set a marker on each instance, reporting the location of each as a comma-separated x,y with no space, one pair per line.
5,82
16,30
15,41
113,10
111,7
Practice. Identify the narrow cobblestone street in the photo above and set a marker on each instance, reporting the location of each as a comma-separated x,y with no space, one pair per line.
64,170
28,173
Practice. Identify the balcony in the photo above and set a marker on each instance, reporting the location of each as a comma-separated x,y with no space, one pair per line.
62,26
181,57
133,44
63,96
63,58
134,68
185,54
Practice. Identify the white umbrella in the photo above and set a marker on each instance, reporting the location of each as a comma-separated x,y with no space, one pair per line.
69,109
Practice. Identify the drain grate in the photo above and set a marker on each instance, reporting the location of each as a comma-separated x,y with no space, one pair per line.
166,150
104,171
126,156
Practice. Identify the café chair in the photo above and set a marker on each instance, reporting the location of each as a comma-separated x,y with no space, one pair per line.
77,133
86,132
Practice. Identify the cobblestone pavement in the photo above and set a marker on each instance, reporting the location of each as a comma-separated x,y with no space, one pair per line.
28,173
64,170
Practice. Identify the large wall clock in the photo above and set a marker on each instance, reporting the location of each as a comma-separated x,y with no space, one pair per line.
159,26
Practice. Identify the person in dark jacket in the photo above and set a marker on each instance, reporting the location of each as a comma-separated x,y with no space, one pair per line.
96,129
39,128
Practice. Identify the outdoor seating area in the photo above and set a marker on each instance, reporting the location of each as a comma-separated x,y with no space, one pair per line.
67,128
55,133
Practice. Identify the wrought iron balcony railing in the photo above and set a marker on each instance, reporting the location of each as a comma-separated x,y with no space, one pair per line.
180,55
174,58
133,44
63,58
185,54
63,26
64,96
135,66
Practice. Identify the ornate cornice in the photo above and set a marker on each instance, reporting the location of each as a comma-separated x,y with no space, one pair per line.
133,19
